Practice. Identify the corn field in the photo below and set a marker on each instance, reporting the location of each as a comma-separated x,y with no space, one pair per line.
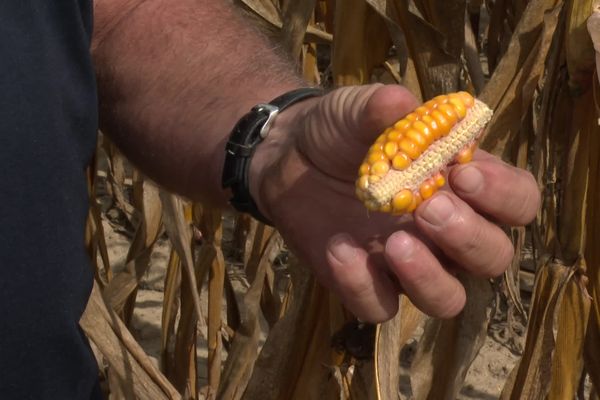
243,319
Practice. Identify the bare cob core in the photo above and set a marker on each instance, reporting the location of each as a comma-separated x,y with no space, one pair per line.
405,164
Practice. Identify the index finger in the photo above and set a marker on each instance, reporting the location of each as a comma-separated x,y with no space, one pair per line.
508,194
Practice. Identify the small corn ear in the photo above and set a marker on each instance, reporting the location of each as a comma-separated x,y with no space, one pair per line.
403,167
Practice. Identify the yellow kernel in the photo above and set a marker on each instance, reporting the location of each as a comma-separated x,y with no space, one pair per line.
433,126
410,148
394,135
374,178
423,129
464,156
441,99
422,111
467,99
401,161
439,180
431,104
363,182
459,107
402,125
449,113
377,146
386,208
402,200
387,130
412,117
418,138
380,168
364,169
427,189
390,149
416,201
375,156
381,138
442,122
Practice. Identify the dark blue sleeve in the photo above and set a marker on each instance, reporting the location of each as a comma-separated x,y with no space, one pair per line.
48,122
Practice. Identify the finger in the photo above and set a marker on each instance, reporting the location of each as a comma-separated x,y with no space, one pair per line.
464,236
365,289
508,194
343,125
386,105
428,285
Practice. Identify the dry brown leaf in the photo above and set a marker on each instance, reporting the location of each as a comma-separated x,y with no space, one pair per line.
126,358
268,11
390,339
361,42
310,70
447,348
117,165
532,376
436,63
169,310
552,366
96,243
296,15
212,230
578,46
592,251
244,350
571,326
511,87
183,372
293,363
180,235
504,16
121,290
472,59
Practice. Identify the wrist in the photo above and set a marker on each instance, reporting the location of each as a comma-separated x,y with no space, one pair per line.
248,133
266,173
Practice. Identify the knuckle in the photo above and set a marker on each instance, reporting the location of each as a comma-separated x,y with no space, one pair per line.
467,238
451,305
526,207
483,246
534,201
501,258
506,256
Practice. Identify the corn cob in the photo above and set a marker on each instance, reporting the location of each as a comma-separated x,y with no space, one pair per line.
405,164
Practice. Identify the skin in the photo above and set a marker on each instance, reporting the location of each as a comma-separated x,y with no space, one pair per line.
175,76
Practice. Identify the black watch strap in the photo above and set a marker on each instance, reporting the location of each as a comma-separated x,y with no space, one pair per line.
250,130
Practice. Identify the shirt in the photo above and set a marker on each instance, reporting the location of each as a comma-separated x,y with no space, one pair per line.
48,123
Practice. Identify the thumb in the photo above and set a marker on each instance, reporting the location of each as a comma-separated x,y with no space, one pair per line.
345,122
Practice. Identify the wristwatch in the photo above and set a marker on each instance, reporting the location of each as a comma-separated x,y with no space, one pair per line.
250,131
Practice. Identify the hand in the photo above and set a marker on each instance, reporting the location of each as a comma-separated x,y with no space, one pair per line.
303,179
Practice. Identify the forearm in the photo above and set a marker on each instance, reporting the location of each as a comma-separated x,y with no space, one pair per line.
174,76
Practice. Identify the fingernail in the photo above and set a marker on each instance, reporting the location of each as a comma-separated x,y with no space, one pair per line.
438,210
468,180
400,246
342,248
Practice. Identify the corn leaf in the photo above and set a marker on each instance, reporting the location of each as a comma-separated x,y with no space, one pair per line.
448,347
128,361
